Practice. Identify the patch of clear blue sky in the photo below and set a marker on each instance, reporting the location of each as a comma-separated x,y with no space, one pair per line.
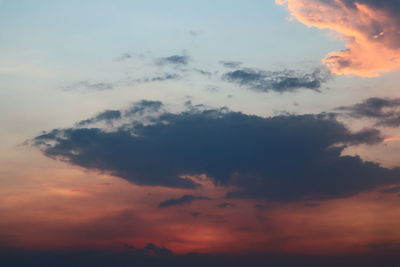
72,31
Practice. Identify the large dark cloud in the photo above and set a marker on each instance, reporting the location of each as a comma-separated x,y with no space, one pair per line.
386,111
278,81
284,158
186,199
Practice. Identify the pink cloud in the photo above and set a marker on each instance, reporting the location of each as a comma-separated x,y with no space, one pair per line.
371,30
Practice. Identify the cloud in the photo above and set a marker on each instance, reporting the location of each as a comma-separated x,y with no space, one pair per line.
278,81
186,199
174,60
231,64
391,190
283,158
370,28
385,110
145,106
225,205
125,56
149,250
108,116
158,78
98,86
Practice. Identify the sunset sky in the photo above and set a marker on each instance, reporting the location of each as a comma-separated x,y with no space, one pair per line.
216,132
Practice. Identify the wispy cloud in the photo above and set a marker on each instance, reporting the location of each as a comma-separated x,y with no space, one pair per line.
186,199
386,111
278,81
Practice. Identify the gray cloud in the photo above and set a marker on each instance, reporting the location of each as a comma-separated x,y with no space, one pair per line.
231,64
107,116
386,111
174,60
224,205
186,199
157,78
278,81
98,86
391,190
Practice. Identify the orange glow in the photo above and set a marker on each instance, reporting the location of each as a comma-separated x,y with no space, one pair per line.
50,214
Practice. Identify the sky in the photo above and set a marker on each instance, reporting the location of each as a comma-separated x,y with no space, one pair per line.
229,133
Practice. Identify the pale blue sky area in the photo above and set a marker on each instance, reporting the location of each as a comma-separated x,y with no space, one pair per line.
76,32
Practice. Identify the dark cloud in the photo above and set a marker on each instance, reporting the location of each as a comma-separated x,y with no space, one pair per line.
231,64
195,214
142,109
145,106
186,199
108,116
278,81
260,207
158,78
385,110
284,158
154,250
174,60
391,190
203,72
225,205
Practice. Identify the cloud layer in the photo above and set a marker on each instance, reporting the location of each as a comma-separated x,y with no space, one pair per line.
386,111
371,29
282,158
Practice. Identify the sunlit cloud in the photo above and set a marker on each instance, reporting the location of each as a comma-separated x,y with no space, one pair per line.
370,29
392,139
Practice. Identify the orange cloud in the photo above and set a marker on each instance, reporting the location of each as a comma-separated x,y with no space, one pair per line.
370,28
392,139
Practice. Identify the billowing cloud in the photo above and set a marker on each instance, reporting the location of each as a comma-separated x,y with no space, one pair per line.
278,81
386,111
186,199
370,28
284,158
